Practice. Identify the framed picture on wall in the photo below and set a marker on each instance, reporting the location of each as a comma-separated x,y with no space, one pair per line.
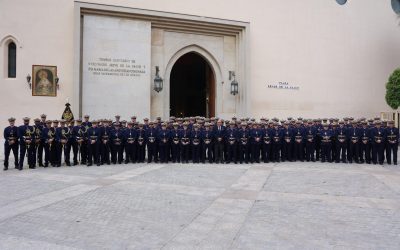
44,80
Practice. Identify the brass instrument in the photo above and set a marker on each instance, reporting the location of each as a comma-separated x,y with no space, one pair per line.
64,135
38,134
378,139
231,139
185,140
326,138
140,140
392,138
50,135
117,140
354,139
11,139
196,141
341,138
28,136
298,138
310,138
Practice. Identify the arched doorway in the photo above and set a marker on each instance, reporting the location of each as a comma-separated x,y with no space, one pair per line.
192,87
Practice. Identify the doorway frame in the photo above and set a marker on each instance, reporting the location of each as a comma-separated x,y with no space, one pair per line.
203,53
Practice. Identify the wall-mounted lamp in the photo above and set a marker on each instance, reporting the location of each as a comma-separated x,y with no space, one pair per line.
57,80
28,80
234,83
158,81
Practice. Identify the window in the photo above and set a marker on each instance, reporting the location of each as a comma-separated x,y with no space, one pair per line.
12,60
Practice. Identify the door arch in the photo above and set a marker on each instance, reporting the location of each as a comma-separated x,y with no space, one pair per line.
215,73
192,87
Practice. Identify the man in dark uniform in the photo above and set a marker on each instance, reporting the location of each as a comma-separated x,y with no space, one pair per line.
287,142
231,142
10,143
326,143
85,146
185,142
163,139
365,144
40,148
63,134
141,143
37,127
266,142
195,140
151,141
175,143
378,137
353,134
93,144
48,135
207,143
255,139
277,136
310,137
298,138
78,136
117,139
105,142
341,138
219,132
244,143
392,135
130,137
26,144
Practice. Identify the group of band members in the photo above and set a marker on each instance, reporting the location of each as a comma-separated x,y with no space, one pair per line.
198,139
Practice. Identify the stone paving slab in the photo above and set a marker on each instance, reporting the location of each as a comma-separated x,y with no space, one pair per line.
201,206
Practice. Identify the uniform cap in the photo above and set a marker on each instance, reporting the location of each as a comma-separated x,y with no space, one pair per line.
26,118
11,119
43,116
36,120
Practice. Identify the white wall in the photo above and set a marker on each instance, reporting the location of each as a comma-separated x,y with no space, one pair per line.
339,56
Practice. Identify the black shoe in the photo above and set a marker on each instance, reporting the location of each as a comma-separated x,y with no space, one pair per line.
126,162
75,163
46,165
68,164
98,164
20,168
89,164
41,165
58,165
5,168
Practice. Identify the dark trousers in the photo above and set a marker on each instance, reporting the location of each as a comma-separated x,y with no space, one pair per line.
151,152
184,153
286,151
391,148
66,149
175,152
231,153
317,147
365,152
207,152
196,153
341,148
353,152
93,153
47,154
117,153
141,152
266,152
29,150
244,153
378,152
326,152
84,152
218,151
130,152
105,152
7,151
310,149
255,152
276,148
76,150
299,151
40,149
163,150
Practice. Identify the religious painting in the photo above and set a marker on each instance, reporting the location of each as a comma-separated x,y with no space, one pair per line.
44,80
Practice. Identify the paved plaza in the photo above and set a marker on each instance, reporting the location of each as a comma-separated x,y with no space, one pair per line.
196,206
